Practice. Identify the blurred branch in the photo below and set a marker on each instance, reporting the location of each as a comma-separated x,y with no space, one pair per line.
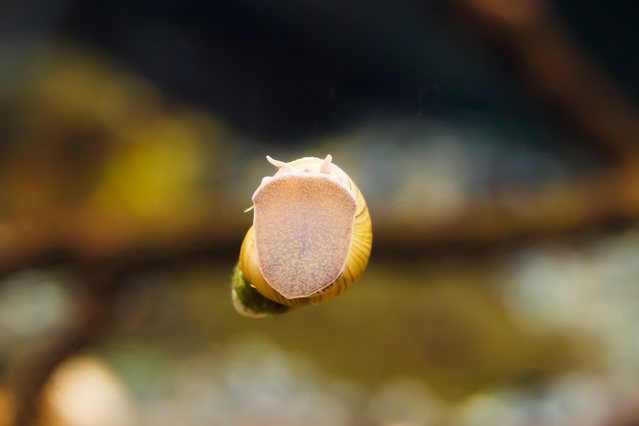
598,202
30,373
557,70
84,236
102,249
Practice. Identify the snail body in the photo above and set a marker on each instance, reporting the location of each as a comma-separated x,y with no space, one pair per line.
311,236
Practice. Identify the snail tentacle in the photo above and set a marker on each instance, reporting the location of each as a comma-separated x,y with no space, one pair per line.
282,165
325,167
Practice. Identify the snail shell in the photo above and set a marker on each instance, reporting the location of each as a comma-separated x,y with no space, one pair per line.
311,236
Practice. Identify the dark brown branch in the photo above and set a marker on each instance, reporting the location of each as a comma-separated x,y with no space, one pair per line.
583,204
31,373
556,70
597,203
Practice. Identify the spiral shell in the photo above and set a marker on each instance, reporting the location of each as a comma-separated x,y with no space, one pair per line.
311,236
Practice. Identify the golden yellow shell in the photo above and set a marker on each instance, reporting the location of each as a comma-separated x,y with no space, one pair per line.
339,207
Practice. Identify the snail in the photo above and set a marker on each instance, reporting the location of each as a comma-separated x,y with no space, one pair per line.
310,240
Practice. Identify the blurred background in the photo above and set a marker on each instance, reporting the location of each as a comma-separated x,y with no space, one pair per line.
495,142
